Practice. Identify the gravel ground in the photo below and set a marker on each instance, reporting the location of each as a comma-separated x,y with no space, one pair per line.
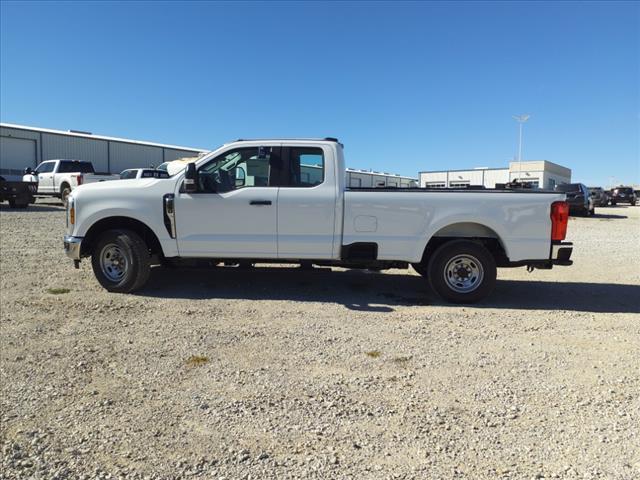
284,373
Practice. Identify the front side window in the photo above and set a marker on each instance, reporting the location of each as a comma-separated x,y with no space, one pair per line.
45,167
239,168
306,166
126,174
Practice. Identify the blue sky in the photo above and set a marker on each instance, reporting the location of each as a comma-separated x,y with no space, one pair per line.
406,86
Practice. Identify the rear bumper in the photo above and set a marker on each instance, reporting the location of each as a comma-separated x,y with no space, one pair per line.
72,247
560,254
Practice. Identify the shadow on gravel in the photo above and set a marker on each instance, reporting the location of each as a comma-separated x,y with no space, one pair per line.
377,292
32,208
608,216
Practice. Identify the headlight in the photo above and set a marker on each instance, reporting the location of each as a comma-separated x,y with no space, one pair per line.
71,211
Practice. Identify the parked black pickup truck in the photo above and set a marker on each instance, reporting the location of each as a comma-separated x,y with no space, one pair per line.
18,194
623,195
580,203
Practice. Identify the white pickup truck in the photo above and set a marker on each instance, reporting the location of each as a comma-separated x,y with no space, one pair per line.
285,201
59,177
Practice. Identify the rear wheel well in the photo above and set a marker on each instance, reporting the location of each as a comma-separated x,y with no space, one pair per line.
126,223
474,232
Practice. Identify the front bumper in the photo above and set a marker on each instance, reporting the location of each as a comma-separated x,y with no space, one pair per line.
72,247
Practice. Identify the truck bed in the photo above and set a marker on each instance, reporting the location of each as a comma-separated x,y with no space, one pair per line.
402,222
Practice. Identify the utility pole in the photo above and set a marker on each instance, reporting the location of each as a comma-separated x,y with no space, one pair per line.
520,119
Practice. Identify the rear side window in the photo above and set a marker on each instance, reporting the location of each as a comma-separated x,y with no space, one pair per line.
126,174
306,166
69,167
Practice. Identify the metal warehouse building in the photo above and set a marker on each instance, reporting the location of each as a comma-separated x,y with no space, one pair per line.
537,173
22,146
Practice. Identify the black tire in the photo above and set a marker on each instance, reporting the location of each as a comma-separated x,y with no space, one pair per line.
114,247
466,257
613,203
64,193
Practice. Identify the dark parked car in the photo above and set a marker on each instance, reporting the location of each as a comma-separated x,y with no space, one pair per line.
600,196
623,195
578,198
18,194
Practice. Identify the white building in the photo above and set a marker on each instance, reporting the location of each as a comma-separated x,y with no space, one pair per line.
371,179
537,173
22,146
361,178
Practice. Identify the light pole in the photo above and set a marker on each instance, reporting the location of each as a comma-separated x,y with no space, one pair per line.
520,119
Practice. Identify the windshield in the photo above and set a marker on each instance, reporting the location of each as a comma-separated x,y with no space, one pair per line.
623,190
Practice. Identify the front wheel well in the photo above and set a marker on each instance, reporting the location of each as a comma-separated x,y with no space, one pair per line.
114,223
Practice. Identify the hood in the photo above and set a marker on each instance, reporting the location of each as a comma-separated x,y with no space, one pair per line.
118,185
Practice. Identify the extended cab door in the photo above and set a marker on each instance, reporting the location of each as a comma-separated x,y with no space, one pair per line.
233,214
307,203
45,173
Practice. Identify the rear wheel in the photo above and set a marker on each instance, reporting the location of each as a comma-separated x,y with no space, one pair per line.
121,261
462,271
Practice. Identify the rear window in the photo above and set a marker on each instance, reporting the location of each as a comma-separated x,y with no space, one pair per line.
82,167
623,190
568,187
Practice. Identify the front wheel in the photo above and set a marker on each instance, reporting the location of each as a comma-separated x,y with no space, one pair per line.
121,261
462,271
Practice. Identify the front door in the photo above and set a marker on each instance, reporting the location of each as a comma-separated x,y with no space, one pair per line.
233,213
44,173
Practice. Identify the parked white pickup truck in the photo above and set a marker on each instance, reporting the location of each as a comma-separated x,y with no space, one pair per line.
267,201
59,177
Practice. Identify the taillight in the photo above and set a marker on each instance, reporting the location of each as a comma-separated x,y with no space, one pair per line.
79,179
559,220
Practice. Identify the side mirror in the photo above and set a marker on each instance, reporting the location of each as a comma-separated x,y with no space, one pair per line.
191,178
28,171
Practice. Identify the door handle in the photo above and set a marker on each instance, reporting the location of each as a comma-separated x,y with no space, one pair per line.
260,202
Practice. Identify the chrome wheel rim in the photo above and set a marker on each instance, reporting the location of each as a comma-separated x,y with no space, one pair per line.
463,273
113,262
